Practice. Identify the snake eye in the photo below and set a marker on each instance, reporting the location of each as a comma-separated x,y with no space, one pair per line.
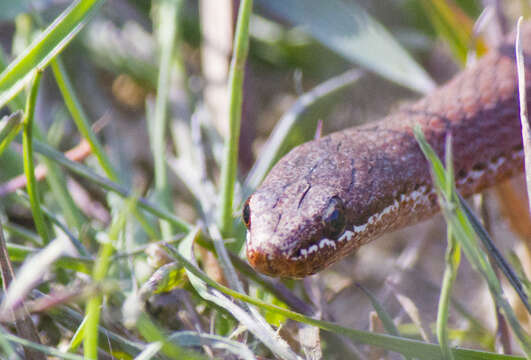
334,218
246,214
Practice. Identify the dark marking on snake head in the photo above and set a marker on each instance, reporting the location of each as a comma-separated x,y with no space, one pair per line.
304,195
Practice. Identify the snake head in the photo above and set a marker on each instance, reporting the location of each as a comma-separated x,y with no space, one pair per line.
297,219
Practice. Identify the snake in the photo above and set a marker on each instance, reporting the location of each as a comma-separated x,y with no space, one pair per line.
327,197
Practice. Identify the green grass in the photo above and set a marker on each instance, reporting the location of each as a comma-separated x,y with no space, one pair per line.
136,286
459,225
230,159
29,167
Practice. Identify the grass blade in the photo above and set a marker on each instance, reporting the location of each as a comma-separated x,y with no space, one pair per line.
452,258
275,344
405,346
464,233
190,338
109,185
58,186
31,273
50,43
236,74
251,317
348,30
153,333
168,11
98,273
489,245
73,240
23,233
40,348
24,323
11,126
73,321
383,315
454,26
29,168
150,351
80,118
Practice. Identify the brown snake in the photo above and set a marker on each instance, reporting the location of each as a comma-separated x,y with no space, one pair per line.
327,197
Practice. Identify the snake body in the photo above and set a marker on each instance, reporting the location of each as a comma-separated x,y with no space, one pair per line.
327,197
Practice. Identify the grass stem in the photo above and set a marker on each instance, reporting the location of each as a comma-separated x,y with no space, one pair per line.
230,158
168,11
453,256
98,274
29,166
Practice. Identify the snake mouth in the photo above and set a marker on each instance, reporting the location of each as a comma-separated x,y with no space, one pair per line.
313,258
301,261
324,245
278,264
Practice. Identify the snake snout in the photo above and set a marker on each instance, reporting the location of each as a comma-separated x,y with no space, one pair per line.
260,261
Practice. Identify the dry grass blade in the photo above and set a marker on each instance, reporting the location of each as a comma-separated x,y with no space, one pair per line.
24,325
413,312
523,108
31,273
254,324
189,338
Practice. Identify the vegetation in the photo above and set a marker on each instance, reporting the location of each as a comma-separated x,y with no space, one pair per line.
121,234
